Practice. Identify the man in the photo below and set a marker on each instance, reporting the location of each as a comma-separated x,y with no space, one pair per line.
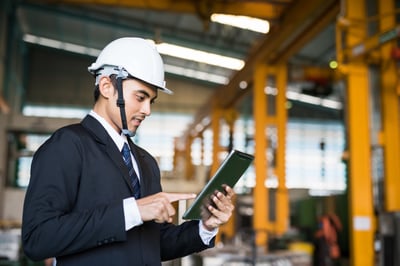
326,247
83,205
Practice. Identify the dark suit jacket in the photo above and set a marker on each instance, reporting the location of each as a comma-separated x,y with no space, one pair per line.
73,207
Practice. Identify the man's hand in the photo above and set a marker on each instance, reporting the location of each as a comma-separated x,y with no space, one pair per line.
158,207
220,211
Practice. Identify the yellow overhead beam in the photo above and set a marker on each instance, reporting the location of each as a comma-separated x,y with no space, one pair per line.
387,33
370,43
299,18
320,22
204,8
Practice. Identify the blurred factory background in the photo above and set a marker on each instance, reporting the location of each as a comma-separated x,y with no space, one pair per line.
313,94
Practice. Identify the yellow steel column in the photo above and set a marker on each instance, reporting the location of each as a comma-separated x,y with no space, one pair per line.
260,195
189,169
230,116
216,128
282,201
202,148
360,179
176,154
390,111
359,142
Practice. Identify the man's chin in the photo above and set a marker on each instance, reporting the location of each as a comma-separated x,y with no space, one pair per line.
129,132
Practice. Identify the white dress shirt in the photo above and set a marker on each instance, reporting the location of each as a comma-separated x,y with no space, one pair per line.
131,210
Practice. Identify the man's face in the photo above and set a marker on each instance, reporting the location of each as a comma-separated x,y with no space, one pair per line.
138,98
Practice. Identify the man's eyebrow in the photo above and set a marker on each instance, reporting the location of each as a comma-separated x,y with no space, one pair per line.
147,94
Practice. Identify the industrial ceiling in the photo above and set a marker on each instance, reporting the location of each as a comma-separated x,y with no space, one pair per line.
186,23
302,32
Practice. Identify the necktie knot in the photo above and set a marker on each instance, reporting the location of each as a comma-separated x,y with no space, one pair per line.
126,155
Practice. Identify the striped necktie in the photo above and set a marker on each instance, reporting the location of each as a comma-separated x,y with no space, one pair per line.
126,154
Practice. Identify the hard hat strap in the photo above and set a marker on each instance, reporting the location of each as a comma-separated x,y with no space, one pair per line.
121,105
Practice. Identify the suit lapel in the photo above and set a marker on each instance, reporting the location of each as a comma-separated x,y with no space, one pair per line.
116,157
101,135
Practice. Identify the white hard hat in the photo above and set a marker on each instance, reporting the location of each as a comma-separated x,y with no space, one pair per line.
131,56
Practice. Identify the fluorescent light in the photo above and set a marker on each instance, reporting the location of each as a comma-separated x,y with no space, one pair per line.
331,104
163,48
310,99
54,111
181,71
243,22
295,96
79,49
200,56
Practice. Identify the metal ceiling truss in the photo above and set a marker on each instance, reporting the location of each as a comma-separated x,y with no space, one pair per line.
270,10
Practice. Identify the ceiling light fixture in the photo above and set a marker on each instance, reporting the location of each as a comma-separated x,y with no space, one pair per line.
296,96
163,48
243,22
200,56
79,49
200,75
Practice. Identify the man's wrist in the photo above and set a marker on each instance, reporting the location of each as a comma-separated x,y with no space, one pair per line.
207,228
205,234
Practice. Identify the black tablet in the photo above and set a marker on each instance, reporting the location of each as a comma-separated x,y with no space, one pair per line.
231,169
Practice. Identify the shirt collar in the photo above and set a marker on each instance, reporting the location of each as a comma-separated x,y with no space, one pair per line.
119,139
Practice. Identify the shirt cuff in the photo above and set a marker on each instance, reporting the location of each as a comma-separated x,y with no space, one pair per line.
206,235
131,213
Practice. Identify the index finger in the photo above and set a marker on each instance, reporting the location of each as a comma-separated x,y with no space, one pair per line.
172,197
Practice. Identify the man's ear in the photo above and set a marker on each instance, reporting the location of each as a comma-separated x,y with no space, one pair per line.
105,87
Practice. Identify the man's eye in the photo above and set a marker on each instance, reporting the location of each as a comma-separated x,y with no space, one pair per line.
140,98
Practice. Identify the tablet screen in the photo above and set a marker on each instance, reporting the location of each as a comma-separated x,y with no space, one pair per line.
229,172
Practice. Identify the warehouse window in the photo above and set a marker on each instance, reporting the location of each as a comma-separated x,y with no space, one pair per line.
313,148
21,147
313,155
156,135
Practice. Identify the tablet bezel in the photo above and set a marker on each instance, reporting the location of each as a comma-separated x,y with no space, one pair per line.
229,172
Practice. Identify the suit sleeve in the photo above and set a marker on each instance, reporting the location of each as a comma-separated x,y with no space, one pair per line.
51,226
181,240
